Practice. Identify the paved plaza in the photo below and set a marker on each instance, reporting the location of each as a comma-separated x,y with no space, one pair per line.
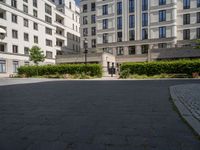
93,115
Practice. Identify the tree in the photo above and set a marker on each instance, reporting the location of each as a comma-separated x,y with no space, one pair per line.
36,55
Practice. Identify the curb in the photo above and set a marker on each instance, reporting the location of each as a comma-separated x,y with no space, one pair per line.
185,113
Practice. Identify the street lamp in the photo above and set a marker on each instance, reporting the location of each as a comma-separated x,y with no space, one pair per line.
86,51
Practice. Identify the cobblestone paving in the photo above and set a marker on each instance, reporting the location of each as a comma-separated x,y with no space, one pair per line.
92,115
189,95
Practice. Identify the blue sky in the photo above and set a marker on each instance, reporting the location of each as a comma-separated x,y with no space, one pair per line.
77,1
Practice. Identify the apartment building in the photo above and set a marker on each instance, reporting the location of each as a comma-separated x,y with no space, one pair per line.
53,25
132,27
88,23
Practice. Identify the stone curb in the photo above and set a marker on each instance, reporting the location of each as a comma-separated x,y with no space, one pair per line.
184,111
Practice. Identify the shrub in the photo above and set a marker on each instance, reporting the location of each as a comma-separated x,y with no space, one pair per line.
163,67
63,69
125,73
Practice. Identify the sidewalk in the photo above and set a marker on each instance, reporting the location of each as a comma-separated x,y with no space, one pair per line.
187,100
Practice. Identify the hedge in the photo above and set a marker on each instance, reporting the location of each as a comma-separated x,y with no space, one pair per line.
72,69
160,67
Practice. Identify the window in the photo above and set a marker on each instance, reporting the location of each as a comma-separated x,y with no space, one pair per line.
144,5
26,22
105,23
119,23
186,34
14,18
2,66
85,8
26,63
131,50
162,45
186,19
35,14
15,49
85,20
120,51
144,34
48,31
162,2
186,4
35,26
48,9
2,15
162,15
93,19
48,42
145,49
119,36
14,3
15,66
26,37
26,50
70,5
105,38
198,17
85,31
144,19
198,33
49,54
131,21
132,35
2,47
93,43
48,19
162,32
14,34
131,6
93,31
35,39
35,3
198,3
25,8
119,8
25,1
105,9
93,6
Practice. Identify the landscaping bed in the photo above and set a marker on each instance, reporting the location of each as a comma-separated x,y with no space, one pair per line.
79,71
161,69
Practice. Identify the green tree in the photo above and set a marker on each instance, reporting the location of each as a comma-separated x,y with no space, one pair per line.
36,55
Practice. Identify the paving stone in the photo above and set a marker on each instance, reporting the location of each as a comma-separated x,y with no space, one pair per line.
186,99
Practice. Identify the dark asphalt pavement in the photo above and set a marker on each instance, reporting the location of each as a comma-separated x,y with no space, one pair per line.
92,115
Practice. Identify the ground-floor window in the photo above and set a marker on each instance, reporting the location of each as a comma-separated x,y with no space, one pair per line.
15,66
162,45
145,49
120,51
2,66
131,50
26,63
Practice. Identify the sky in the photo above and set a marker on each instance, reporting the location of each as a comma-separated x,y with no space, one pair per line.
77,1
